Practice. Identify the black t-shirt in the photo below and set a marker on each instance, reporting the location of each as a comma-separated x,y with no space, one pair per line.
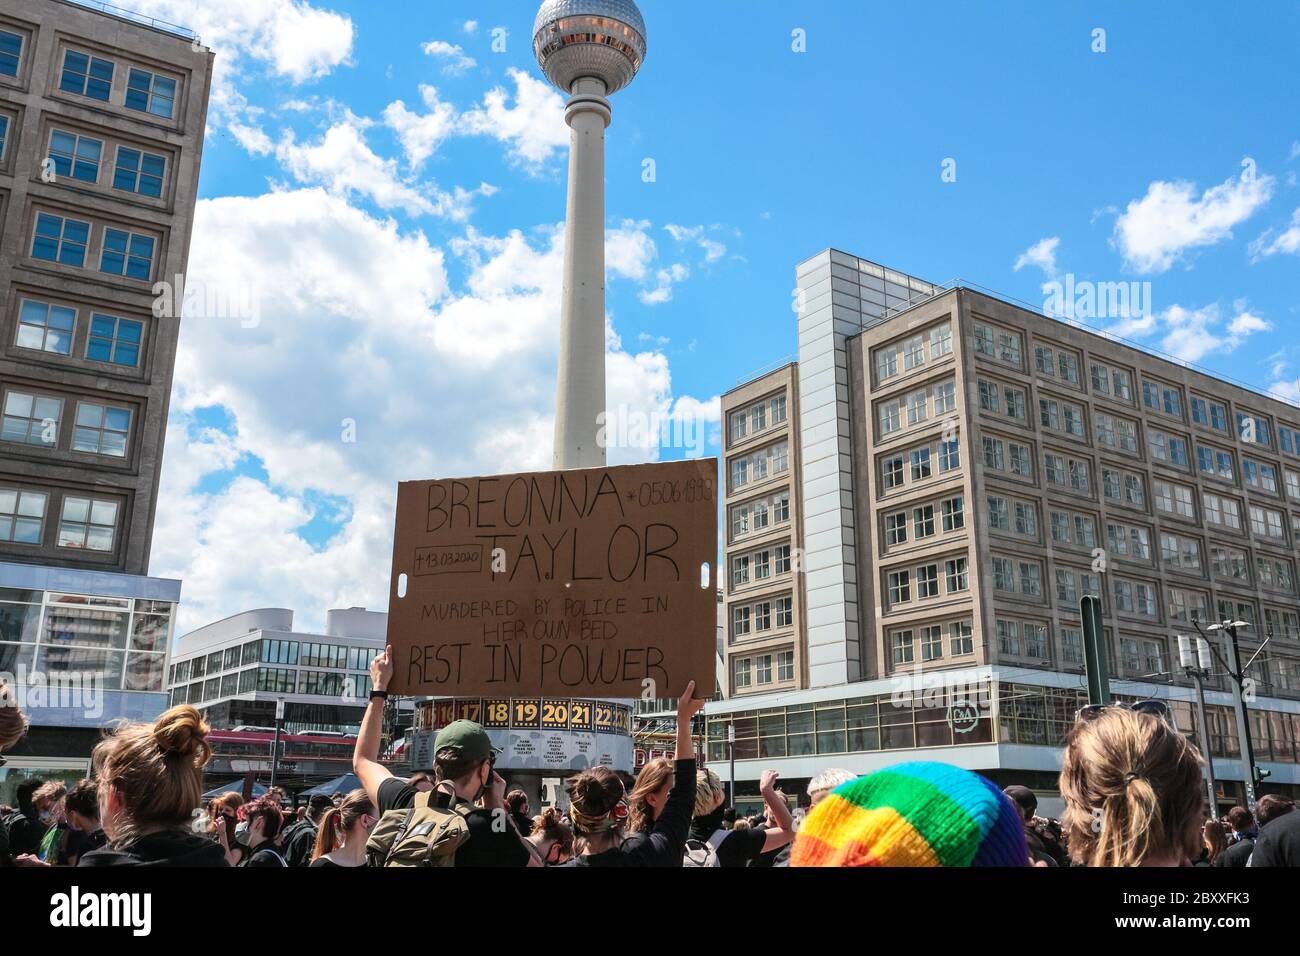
738,847
264,855
78,844
487,845
1236,855
1278,843
322,861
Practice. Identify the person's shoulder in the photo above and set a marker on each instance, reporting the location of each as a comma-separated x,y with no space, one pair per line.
395,794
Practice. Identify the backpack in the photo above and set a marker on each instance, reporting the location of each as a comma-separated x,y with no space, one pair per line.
701,853
299,853
424,834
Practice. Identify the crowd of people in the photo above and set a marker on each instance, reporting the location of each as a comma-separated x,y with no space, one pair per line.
1131,784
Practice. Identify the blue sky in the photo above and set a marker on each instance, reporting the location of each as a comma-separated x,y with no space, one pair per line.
383,176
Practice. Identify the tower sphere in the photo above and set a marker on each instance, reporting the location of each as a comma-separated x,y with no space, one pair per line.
599,38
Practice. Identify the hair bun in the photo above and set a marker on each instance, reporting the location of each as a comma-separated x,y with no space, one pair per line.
182,732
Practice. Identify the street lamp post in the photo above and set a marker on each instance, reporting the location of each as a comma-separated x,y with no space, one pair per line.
275,744
1196,665
589,49
731,752
1237,674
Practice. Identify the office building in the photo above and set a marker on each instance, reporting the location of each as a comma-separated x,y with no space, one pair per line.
966,470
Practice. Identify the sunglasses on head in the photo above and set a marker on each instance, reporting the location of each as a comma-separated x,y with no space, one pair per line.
1156,708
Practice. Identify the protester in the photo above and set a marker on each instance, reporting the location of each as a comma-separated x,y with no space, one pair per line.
223,826
49,802
13,727
1278,843
148,782
422,782
1132,789
1027,803
517,803
648,796
13,724
599,808
81,806
343,831
463,757
826,781
913,814
552,837
1214,840
24,828
265,820
1243,825
712,845
299,837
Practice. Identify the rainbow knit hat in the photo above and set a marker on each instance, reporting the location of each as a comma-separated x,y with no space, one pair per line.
913,814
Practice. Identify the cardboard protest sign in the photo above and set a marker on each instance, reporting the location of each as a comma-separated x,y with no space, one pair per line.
583,583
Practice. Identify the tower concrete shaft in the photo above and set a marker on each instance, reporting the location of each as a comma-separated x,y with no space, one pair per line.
580,387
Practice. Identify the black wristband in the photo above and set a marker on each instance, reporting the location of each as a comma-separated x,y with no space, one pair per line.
379,695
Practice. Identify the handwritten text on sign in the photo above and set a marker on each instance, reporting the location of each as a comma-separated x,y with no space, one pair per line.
585,582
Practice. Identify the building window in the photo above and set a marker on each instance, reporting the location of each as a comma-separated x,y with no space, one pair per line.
114,340
902,646
11,52
86,75
22,516
1009,638
740,571
954,515
739,621
900,587
955,571
101,429
896,529
927,581
949,456
920,464
785,666
139,172
4,135
60,240
74,156
31,419
783,559
960,640
785,612
88,524
763,672
45,327
128,254
891,471
150,93
741,670
931,642
923,521
998,514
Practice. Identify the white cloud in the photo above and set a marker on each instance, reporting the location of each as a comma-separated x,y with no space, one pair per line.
713,250
291,39
360,323
1295,150
252,138
1191,334
1287,241
421,135
666,279
533,128
470,27
1158,230
457,63
345,165
1041,254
